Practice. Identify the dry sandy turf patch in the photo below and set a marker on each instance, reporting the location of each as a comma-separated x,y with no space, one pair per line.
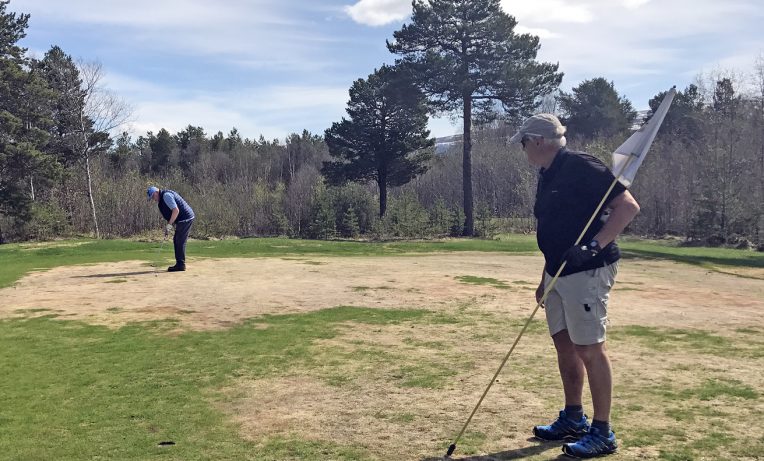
372,406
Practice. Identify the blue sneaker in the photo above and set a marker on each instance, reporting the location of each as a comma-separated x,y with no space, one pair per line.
563,428
591,445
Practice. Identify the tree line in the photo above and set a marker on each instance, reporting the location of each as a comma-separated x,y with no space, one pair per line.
374,173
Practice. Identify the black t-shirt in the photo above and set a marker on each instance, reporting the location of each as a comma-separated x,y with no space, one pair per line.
567,195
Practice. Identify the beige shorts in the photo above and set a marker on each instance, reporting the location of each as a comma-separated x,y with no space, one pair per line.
578,303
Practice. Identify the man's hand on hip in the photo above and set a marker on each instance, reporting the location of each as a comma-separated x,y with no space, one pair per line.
540,292
578,255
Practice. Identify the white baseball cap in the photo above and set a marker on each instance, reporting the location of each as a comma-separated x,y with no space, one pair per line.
543,125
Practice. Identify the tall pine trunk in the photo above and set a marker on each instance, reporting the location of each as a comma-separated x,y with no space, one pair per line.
469,222
382,184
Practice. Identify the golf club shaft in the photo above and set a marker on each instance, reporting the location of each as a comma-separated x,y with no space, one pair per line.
547,290
158,255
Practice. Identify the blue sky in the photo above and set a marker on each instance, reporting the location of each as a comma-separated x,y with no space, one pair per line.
274,67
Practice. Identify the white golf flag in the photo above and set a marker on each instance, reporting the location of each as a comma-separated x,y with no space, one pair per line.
639,143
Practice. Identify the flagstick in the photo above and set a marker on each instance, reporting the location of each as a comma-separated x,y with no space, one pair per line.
547,290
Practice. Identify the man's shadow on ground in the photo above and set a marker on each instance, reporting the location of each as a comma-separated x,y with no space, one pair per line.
119,274
519,453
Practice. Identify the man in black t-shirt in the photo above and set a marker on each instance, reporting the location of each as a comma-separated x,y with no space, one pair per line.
571,187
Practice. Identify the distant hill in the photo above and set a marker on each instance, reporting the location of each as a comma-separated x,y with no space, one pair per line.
447,142
640,119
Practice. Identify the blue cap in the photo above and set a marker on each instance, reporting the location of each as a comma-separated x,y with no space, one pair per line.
151,191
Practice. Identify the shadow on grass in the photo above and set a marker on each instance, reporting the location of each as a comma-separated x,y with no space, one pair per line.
519,453
117,274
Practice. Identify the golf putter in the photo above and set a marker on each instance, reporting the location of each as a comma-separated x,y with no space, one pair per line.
158,254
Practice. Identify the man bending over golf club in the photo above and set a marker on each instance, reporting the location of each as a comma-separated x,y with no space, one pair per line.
571,186
178,213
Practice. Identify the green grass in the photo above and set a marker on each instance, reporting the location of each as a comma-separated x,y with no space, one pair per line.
72,391
710,258
678,454
699,341
402,417
692,413
712,443
664,339
426,375
650,436
474,280
713,388
470,442
417,344
279,449
703,408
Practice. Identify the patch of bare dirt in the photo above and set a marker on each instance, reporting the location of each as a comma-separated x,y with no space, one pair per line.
217,293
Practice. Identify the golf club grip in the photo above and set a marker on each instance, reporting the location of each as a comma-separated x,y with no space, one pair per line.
451,450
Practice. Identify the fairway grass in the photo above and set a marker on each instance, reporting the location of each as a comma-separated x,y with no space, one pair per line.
716,259
352,383
73,391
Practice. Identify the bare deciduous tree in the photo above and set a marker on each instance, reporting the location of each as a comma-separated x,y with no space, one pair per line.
101,113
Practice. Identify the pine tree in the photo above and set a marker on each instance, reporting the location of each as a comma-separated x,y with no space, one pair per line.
25,117
594,108
322,222
466,56
162,147
386,137
63,77
349,226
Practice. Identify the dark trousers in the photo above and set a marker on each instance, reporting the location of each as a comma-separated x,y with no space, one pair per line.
182,229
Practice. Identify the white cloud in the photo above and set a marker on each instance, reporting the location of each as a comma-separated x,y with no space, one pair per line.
379,12
273,111
634,3
537,31
546,11
174,115
644,46
280,100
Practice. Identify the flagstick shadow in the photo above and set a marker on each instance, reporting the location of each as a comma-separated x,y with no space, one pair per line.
519,453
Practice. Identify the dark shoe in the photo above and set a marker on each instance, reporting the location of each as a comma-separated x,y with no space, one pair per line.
563,428
591,445
176,268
